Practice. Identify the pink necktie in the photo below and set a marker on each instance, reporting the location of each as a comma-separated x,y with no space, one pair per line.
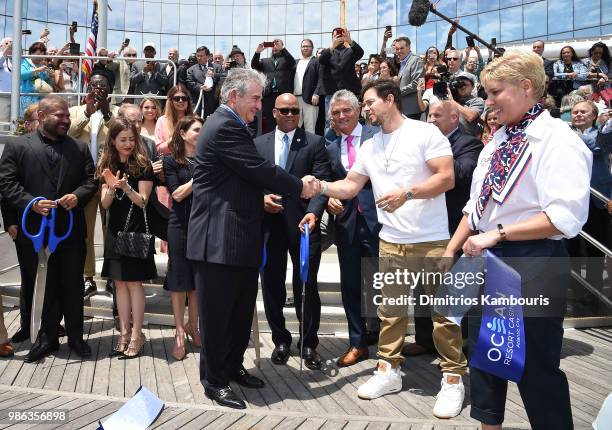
352,154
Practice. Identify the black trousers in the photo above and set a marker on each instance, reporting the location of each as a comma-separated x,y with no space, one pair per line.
64,287
226,301
274,289
27,259
543,387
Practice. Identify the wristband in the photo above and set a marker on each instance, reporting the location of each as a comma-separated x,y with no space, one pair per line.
324,187
502,232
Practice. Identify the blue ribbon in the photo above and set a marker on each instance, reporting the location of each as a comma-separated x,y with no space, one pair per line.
304,253
501,347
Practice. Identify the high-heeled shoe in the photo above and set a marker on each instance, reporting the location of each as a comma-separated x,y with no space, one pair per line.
178,350
194,334
135,347
121,346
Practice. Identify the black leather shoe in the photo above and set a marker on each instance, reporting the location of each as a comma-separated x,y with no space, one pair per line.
61,331
80,348
312,360
90,288
225,397
245,379
281,353
22,334
40,350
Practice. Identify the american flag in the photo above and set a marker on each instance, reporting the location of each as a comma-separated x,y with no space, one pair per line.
90,49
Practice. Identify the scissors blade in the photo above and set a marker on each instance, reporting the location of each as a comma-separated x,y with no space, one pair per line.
38,300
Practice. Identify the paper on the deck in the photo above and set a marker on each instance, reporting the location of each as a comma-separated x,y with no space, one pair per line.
137,414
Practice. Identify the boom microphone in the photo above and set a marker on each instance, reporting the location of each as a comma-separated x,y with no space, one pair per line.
418,12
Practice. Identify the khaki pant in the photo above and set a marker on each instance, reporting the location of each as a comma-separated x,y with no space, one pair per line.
91,213
446,335
308,115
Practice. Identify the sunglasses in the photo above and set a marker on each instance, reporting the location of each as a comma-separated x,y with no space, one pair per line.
287,111
180,99
452,59
130,55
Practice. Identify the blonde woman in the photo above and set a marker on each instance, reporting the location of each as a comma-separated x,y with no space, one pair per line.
151,111
547,169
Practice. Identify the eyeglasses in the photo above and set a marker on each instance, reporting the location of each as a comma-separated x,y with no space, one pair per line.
306,46
180,99
287,111
452,58
129,55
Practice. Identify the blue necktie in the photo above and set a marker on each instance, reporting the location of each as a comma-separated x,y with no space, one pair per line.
282,160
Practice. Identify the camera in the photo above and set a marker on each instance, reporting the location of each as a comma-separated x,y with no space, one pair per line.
232,64
440,88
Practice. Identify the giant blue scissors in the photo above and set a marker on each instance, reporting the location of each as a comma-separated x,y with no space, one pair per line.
44,251
304,262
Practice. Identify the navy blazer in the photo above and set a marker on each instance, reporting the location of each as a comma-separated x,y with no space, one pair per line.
310,83
466,149
345,223
225,226
307,156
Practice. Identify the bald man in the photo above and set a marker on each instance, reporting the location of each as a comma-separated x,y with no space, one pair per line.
65,177
299,153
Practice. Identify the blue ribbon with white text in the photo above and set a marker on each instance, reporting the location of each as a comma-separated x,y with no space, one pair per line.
501,347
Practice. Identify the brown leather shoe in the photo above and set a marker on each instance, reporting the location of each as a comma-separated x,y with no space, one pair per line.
6,350
352,356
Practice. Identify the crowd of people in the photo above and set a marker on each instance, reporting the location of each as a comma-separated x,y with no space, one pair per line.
409,156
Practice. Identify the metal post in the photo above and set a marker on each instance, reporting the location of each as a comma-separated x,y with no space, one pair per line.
102,23
16,63
343,13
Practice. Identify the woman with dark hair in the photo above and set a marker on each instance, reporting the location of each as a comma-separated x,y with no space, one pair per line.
151,111
432,59
31,70
178,106
178,170
570,68
598,66
125,197
388,70
373,69
490,126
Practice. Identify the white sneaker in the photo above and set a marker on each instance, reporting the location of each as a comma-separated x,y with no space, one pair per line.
386,380
449,400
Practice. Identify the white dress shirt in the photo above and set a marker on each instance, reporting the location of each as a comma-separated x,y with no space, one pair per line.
278,143
300,70
356,133
556,180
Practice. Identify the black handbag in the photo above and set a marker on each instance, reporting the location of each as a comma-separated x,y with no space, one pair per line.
134,244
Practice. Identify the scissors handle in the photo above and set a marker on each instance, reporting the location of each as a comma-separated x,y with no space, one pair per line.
37,239
48,221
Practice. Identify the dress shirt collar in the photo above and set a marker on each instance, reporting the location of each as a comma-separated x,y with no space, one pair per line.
356,133
278,135
234,113
536,130
448,136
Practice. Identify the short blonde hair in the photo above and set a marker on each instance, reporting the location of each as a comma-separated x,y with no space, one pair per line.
514,67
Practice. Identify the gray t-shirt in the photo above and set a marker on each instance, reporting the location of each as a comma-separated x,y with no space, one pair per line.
476,104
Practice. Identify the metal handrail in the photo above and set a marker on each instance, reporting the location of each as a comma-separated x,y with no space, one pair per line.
599,195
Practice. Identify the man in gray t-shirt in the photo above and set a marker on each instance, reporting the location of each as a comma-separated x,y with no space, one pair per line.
470,108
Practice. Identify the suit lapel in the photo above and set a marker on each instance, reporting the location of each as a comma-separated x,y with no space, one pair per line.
299,140
268,147
39,151
338,147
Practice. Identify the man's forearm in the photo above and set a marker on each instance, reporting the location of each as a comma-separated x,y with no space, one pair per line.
468,114
435,185
342,190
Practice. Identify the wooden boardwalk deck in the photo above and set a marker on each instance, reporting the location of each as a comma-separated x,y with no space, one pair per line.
95,388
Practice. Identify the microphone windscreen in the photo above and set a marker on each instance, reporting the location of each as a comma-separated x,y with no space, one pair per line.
418,12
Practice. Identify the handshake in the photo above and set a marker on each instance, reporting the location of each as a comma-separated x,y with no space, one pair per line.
311,187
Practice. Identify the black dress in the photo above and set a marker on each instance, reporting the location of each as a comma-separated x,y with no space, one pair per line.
180,275
115,266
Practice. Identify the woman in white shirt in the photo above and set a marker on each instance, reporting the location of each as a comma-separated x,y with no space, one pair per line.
529,190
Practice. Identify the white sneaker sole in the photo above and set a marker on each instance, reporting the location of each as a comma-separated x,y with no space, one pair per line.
445,416
368,397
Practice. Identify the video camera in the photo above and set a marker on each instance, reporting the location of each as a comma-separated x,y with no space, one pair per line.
447,81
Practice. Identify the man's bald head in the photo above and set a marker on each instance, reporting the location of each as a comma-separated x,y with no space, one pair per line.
53,117
286,112
51,102
443,115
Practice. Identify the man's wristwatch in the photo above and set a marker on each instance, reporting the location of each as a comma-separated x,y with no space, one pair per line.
108,116
324,187
409,195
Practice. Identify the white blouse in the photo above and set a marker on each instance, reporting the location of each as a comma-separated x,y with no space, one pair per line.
556,180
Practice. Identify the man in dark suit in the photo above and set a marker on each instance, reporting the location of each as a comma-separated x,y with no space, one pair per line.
203,77
299,153
279,70
147,77
338,65
170,71
66,178
306,86
466,149
538,48
225,231
356,223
